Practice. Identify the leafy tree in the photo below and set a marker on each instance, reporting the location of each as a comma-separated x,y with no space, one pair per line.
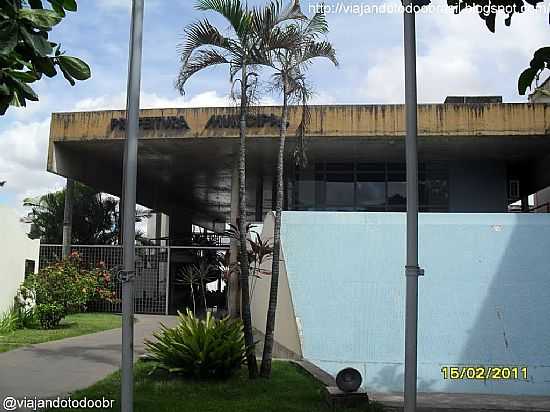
540,62
252,32
290,66
95,217
26,52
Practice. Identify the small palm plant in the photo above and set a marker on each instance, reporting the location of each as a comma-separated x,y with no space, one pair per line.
197,275
188,277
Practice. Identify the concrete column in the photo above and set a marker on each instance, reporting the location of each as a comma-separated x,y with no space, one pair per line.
180,228
158,227
233,289
525,204
259,198
68,217
121,219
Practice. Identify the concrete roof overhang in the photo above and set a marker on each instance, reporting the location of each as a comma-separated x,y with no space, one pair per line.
186,156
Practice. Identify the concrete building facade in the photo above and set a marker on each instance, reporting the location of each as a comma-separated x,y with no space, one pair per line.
342,281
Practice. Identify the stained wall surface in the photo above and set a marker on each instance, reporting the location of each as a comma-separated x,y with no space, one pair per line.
483,301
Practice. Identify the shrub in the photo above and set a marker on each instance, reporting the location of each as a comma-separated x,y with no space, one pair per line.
206,348
49,315
64,287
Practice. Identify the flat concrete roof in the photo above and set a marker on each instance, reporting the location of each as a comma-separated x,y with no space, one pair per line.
186,156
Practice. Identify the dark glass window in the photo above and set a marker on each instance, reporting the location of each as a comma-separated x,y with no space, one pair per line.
397,194
306,194
371,189
366,186
339,189
30,267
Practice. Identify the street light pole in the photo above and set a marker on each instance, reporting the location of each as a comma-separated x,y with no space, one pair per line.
412,271
68,218
129,207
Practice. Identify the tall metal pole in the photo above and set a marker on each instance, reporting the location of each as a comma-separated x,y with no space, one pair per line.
412,271
68,218
129,214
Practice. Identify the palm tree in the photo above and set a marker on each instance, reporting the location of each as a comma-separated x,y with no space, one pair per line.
197,275
289,78
242,50
188,277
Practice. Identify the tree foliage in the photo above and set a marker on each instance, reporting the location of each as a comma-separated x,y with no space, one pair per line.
26,51
95,217
540,61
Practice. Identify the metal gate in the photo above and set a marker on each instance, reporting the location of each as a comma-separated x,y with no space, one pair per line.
152,273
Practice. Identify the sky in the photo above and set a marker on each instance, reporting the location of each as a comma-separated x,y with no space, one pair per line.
456,55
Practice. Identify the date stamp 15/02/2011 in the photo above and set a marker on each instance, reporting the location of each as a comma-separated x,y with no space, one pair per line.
485,372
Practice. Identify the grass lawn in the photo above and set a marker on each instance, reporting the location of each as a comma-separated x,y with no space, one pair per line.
289,389
72,325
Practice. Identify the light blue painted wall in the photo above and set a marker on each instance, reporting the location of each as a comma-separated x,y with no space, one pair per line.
485,298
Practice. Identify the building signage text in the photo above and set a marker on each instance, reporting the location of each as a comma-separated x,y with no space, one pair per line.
154,123
228,121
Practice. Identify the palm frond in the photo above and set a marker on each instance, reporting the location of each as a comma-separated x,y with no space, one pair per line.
292,11
269,34
316,26
200,34
266,18
234,11
200,60
314,50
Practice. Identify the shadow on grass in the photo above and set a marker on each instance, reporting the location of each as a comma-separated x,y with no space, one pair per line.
289,389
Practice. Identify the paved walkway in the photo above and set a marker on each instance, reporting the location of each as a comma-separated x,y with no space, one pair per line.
446,402
57,368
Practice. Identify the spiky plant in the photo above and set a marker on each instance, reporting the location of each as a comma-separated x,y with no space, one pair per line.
201,348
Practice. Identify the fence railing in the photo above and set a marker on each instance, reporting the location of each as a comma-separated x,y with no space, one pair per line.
153,269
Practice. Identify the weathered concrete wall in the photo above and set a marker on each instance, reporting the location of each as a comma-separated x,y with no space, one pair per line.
286,329
326,121
484,299
15,248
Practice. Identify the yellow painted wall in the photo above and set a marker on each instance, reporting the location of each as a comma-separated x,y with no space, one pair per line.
330,121
326,121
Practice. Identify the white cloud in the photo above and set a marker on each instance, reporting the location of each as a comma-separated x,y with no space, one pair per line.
23,156
460,57
154,101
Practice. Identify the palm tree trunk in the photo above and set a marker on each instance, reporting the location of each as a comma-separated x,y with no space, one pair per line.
267,355
203,288
193,298
243,252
